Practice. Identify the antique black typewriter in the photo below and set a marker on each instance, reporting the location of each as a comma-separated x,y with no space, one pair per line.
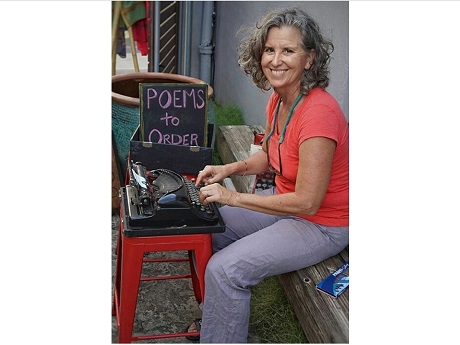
163,202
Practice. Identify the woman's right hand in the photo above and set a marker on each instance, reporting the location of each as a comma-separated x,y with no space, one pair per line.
211,174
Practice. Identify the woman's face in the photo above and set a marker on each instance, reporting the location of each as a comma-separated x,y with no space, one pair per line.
284,59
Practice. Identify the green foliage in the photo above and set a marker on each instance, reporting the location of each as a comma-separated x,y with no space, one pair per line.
272,316
226,115
216,158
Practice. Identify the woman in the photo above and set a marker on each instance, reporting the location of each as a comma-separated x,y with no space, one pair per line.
304,219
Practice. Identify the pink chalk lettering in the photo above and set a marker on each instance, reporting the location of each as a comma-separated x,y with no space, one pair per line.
151,94
178,98
191,139
165,102
174,120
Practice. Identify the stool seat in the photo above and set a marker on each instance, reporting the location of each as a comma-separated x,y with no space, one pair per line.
130,259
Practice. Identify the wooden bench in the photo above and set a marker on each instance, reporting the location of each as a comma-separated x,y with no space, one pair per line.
233,144
323,319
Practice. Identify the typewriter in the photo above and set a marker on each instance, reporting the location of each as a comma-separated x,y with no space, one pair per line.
162,202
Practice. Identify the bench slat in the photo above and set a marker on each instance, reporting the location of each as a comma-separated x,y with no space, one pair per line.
234,144
324,319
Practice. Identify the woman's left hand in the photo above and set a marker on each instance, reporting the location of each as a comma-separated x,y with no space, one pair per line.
217,193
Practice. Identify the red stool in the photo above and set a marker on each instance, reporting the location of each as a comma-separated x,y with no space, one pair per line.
130,258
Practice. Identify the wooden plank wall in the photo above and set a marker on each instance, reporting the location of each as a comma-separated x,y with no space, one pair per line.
234,144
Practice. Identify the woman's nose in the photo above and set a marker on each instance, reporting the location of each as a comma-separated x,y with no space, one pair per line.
276,59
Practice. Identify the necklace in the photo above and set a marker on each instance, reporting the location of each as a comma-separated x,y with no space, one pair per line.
275,118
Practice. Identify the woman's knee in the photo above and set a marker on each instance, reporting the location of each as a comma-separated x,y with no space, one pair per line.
215,267
221,268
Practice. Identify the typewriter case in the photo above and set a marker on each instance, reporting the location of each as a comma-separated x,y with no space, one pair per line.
182,159
187,160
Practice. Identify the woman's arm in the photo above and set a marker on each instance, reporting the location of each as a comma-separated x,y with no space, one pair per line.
315,163
255,164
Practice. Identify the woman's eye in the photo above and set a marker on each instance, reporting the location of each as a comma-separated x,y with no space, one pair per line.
268,50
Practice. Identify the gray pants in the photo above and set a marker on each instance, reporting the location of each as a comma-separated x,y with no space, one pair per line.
255,246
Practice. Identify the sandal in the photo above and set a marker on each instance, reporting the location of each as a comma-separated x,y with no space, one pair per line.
197,323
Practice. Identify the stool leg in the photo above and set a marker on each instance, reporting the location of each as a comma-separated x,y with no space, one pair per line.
131,269
202,255
117,271
195,279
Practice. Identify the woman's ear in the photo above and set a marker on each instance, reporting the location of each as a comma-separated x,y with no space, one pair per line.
310,59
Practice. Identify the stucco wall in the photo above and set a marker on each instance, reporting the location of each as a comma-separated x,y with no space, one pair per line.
232,86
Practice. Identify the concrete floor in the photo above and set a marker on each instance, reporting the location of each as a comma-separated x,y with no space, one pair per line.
126,65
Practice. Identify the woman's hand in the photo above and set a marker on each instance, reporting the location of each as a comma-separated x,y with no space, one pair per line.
217,193
211,174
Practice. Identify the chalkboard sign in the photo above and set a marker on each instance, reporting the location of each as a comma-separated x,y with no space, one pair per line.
174,114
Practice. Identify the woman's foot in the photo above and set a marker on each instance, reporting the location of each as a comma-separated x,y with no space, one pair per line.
194,327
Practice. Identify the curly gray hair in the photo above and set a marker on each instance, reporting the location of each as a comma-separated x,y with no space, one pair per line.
252,46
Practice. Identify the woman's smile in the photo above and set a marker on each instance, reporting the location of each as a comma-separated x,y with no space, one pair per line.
278,72
284,58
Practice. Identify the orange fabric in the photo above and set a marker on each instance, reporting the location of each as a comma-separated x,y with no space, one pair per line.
318,115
